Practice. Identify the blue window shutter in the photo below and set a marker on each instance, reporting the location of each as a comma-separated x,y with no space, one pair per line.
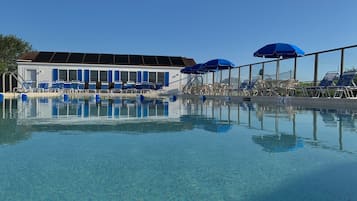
86,75
139,76
145,76
116,75
110,76
79,72
54,74
166,77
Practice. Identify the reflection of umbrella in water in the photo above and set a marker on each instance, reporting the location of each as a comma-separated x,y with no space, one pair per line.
279,50
276,143
205,123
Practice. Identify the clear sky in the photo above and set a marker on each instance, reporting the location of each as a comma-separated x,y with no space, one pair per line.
201,29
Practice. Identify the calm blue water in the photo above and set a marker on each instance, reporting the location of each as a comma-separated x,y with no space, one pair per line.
182,150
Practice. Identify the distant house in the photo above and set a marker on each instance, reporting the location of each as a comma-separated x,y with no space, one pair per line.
52,67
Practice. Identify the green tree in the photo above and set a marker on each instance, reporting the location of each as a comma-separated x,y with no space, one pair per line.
11,48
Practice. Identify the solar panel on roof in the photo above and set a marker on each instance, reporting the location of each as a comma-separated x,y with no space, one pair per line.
75,58
135,59
163,61
150,60
122,59
91,58
177,61
60,57
67,57
44,57
106,59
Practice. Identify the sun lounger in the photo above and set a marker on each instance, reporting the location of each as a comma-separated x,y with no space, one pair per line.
322,89
345,87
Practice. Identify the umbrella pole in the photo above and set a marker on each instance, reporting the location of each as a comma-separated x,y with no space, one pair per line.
277,69
212,78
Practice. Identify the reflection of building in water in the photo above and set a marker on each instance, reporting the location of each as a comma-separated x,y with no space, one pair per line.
77,110
279,125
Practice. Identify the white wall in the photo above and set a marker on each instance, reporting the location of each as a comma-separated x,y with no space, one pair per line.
44,71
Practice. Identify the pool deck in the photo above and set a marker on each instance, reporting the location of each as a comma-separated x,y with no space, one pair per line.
281,100
287,100
105,95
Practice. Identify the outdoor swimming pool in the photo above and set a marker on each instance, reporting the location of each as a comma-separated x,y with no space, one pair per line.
175,150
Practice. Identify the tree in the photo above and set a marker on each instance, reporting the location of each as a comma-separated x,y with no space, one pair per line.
11,48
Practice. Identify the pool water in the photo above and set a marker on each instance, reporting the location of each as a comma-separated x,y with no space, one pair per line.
183,150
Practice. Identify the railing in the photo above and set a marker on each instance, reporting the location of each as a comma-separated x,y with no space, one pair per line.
307,70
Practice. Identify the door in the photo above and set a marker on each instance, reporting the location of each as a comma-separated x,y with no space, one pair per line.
31,78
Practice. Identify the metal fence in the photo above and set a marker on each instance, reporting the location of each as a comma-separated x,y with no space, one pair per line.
307,70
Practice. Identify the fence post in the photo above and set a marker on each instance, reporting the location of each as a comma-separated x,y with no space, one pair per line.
250,73
316,68
342,61
238,79
295,65
229,76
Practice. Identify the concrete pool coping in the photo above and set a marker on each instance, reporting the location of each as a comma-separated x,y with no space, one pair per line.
286,100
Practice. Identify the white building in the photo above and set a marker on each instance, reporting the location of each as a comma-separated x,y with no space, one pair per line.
52,67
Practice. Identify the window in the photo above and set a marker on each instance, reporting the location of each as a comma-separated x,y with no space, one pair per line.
104,76
152,77
132,76
161,77
72,75
63,75
124,76
93,75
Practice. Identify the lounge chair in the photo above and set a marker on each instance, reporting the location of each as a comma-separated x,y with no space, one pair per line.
129,87
92,86
322,89
67,86
118,86
43,87
104,86
345,86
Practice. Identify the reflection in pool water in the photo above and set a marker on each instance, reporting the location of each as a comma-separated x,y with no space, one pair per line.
183,150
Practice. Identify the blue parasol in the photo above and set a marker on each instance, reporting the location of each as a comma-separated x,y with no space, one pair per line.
279,50
217,64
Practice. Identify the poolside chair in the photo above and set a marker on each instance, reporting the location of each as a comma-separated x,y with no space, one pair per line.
118,86
104,86
92,86
77,86
144,87
243,88
287,87
67,86
158,86
129,87
43,87
322,89
253,88
345,86
57,86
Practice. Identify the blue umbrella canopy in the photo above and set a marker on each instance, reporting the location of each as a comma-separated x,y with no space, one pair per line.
198,69
279,50
186,70
195,69
217,64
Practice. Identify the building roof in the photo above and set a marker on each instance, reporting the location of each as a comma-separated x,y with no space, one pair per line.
114,59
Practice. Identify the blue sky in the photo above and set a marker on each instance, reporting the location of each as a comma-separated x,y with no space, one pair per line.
201,29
